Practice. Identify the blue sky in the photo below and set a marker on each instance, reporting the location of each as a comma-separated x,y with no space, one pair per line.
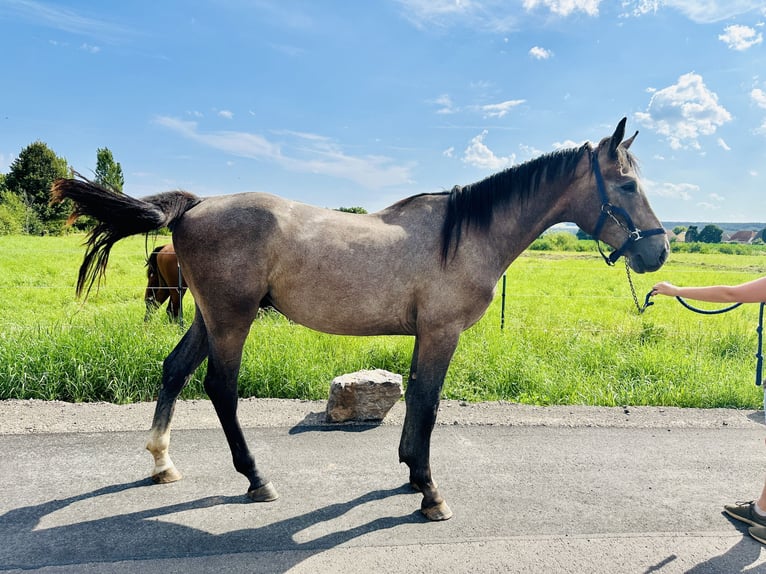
339,103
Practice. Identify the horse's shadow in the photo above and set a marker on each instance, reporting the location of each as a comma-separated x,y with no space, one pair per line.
144,535
317,422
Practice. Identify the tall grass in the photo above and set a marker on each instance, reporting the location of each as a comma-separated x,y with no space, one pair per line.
571,336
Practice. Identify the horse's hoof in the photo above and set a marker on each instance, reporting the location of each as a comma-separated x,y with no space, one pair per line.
166,476
437,512
265,493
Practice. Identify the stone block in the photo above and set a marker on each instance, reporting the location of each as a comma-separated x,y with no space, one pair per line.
363,396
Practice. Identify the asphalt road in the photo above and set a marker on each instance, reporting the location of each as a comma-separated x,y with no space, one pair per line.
558,489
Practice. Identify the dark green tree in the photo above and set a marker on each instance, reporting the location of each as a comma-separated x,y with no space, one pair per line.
582,235
692,234
108,171
710,234
352,209
30,177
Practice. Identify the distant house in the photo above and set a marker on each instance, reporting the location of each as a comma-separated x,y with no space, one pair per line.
743,236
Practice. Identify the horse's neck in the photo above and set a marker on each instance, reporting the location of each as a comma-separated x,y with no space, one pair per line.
516,225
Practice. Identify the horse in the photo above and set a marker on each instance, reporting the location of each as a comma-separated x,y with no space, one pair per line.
426,266
164,282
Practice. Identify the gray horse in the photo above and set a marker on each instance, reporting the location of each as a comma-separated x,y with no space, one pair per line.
426,266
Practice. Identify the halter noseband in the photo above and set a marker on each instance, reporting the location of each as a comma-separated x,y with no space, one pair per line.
609,211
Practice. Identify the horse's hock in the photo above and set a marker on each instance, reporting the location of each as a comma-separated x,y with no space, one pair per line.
363,396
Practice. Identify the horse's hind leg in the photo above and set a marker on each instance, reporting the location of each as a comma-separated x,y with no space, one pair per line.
177,369
221,386
430,362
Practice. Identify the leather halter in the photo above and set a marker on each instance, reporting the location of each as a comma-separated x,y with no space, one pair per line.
619,216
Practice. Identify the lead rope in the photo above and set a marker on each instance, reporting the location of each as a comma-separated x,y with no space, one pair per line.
647,302
759,329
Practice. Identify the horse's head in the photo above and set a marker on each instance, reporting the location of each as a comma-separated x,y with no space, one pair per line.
625,219
154,294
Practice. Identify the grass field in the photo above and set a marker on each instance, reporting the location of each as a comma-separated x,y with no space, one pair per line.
571,336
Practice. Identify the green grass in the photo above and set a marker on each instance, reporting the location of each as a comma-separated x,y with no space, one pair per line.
571,336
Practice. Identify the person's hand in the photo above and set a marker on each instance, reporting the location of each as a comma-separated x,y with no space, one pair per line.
664,288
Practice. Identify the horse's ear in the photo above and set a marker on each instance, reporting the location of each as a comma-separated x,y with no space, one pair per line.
627,142
617,136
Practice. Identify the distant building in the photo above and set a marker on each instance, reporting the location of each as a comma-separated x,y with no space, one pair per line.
743,236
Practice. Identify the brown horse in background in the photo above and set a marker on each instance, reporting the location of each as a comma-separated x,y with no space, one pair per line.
426,266
165,282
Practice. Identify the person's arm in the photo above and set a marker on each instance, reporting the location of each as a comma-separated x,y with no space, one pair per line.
750,292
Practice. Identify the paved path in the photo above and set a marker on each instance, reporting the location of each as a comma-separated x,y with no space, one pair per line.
556,489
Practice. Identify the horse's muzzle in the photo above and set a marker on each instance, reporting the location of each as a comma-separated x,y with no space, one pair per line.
643,260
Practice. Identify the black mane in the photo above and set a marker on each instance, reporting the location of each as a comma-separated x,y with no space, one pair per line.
473,205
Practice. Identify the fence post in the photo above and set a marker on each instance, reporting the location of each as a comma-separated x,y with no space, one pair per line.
502,306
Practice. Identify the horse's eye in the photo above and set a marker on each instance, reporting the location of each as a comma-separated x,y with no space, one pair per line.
629,187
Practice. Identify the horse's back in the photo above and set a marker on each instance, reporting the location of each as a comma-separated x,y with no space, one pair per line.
330,270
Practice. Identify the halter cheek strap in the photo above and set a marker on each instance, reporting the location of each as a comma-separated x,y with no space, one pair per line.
619,216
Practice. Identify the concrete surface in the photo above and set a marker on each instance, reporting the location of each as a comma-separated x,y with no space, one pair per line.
533,489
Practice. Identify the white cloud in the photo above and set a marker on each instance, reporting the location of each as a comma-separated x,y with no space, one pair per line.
722,144
449,152
529,151
479,155
759,97
708,206
501,109
492,15
684,112
740,38
700,11
64,19
716,197
566,144
565,7
227,114
446,105
682,191
90,49
539,53
302,152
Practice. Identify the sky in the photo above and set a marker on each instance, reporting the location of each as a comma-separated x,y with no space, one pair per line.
339,103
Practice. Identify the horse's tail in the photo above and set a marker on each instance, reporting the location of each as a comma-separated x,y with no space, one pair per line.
118,216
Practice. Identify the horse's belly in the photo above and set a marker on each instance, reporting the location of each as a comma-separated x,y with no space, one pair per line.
346,314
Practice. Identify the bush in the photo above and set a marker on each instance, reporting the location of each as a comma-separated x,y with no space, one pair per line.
559,241
17,218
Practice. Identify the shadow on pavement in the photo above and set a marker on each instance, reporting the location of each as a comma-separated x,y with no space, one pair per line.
144,535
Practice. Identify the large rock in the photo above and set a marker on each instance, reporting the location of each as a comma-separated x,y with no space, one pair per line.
363,396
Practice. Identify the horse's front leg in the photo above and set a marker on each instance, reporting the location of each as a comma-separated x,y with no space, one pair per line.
430,361
177,369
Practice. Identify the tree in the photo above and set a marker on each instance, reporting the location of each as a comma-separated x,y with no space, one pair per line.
692,234
15,217
30,178
679,229
108,171
582,235
352,209
710,234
